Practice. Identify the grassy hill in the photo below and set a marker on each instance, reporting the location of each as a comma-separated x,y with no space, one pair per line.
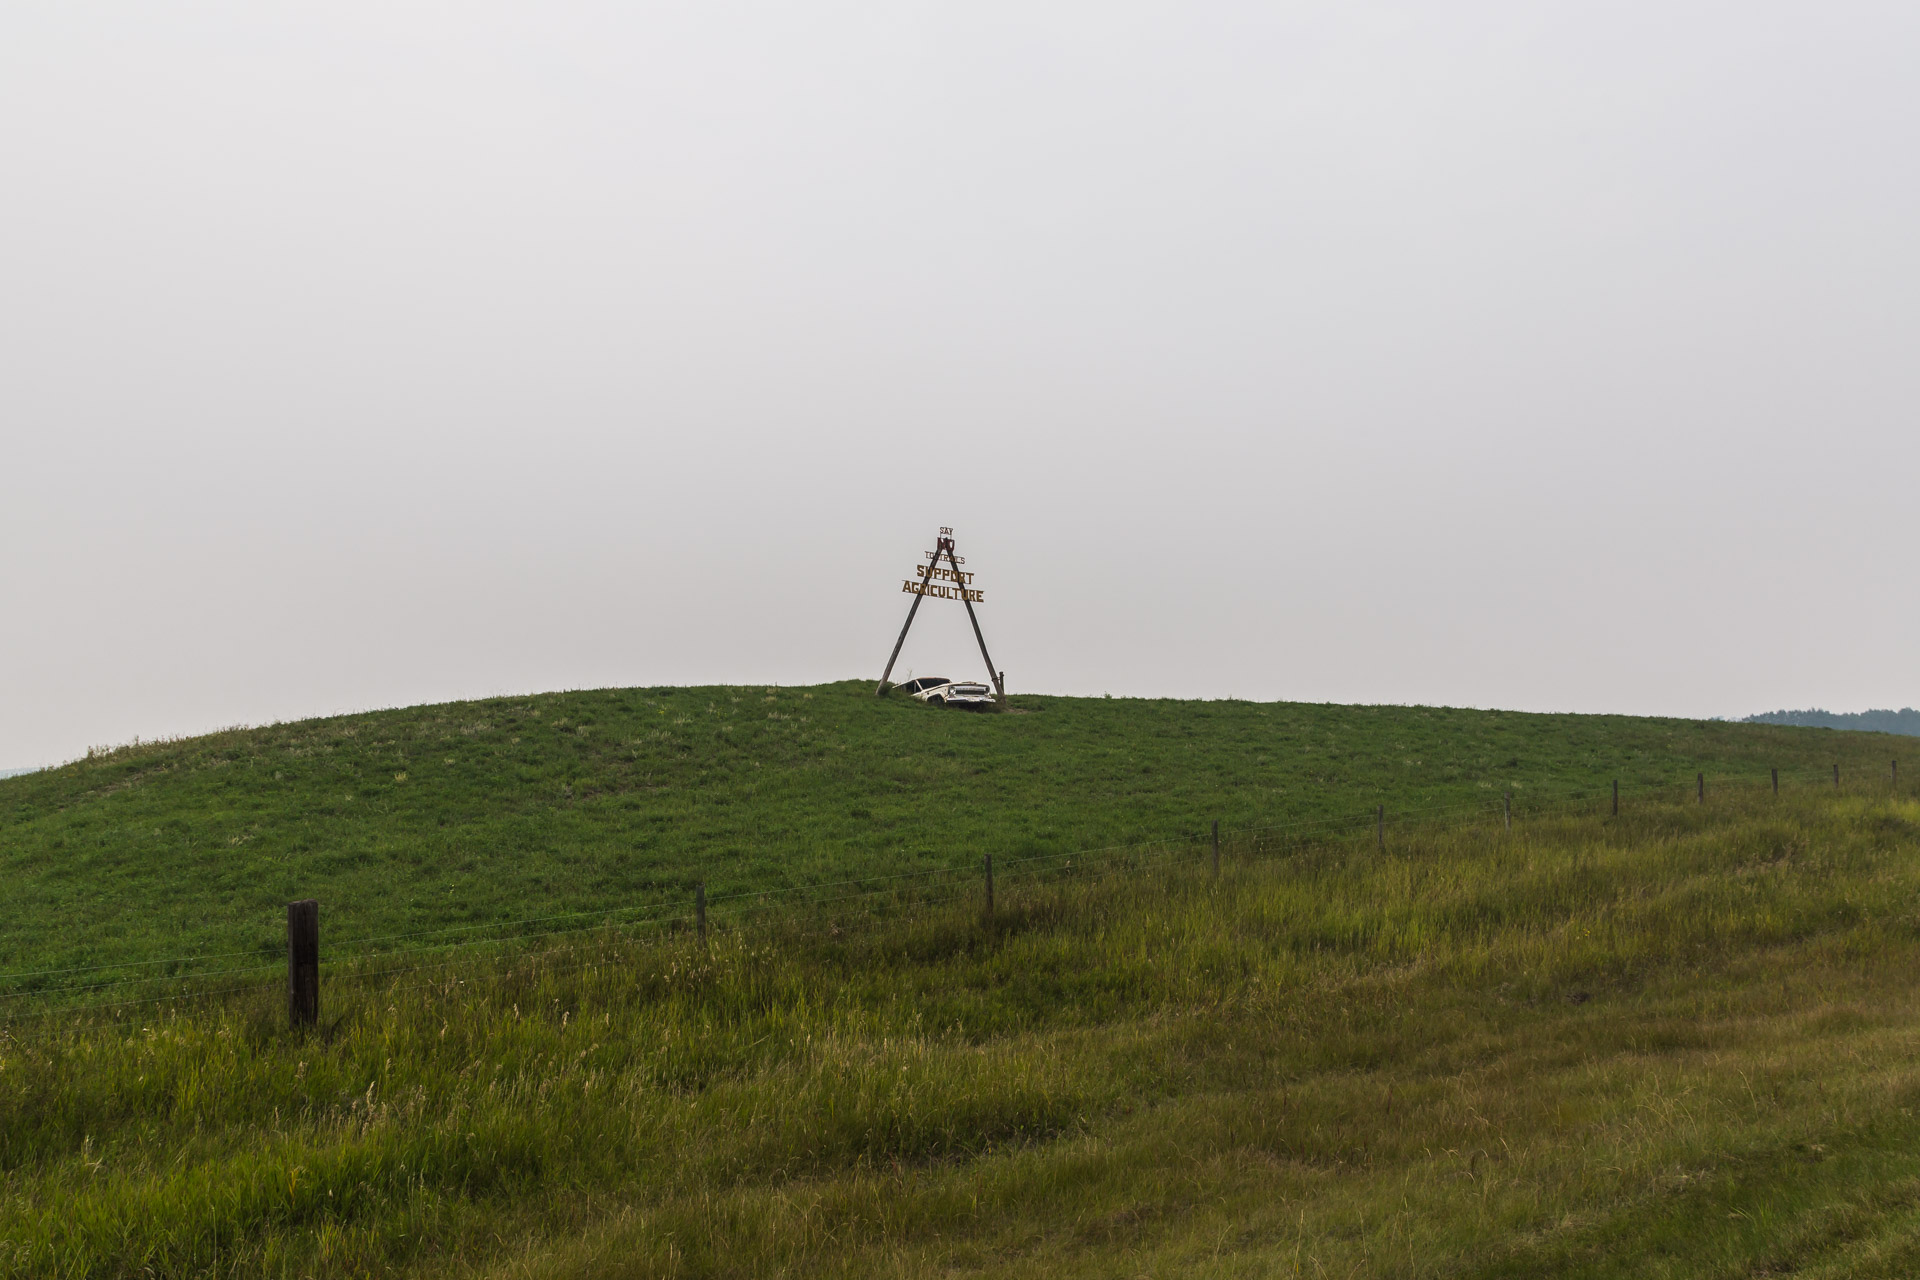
419,820
1682,1042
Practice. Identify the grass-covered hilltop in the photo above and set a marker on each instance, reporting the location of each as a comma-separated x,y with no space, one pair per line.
1679,1040
411,825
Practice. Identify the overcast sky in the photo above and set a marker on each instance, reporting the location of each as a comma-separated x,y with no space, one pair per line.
1500,354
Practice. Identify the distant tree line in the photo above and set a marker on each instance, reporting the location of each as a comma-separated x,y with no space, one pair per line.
1905,720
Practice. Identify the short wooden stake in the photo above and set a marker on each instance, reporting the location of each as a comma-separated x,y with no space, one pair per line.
700,908
1380,831
1216,846
989,886
1701,780
303,962
1776,781
1616,797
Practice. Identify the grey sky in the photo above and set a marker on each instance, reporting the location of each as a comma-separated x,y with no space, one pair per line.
1539,356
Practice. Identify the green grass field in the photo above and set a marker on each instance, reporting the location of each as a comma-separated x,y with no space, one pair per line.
1683,1042
477,814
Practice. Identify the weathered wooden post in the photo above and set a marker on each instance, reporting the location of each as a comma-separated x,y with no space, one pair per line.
1836,775
1776,780
1506,809
1380,831
1701,780
303,962
966,598
918,596
700,909
1616,797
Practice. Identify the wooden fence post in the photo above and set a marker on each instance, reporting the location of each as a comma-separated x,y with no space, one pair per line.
1216,847
989,888
1506,809
1701,780
1776,780
303,962
1616,797
700,909
1836,776
1380,831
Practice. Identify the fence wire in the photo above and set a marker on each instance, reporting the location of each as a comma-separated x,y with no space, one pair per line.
439,948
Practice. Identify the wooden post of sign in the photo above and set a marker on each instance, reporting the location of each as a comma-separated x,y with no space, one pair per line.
966,598
303,962
700,909
989,912
918,596
1700,779
1216,848
1776,780
1616,797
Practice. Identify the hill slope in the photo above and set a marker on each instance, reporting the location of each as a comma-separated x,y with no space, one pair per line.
1677,1043
469,813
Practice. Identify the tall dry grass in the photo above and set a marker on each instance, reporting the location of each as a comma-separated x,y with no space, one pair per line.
1681,1043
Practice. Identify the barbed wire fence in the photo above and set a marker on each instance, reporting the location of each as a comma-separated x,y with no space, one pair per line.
131,990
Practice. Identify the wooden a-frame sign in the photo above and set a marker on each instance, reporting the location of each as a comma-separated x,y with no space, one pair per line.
943,546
